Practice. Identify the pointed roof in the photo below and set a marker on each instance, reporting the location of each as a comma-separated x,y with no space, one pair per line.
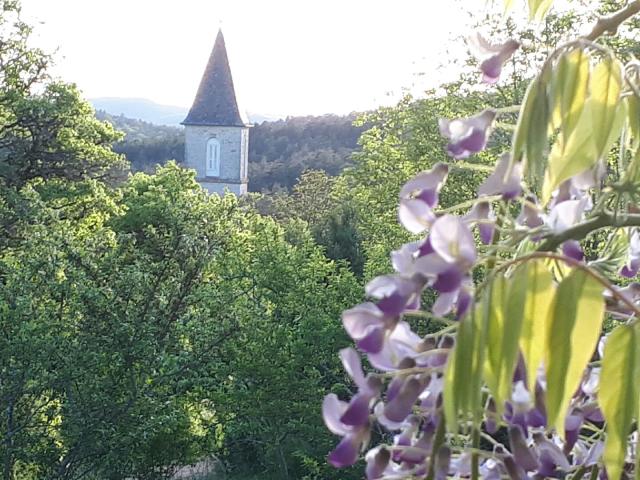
215,103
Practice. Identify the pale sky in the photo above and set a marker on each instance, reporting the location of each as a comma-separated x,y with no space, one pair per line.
288,57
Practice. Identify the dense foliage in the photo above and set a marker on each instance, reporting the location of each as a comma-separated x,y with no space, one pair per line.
145,324
279,151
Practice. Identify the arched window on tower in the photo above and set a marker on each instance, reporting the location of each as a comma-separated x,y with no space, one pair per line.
213,158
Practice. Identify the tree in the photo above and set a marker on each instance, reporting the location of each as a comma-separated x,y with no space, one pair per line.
47,130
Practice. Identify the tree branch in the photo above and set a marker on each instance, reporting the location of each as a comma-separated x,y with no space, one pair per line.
610,24
581,230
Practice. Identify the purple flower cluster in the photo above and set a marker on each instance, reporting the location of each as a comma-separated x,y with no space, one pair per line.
405,394
442,261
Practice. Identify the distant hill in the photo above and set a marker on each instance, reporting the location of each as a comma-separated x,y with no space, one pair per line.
278,151
152,112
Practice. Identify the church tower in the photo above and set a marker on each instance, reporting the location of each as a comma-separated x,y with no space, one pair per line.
216,133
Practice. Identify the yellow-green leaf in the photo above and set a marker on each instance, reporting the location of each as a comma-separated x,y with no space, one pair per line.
606,106
503,332
539,8
569,87
537,310
633,109
590,138
571,156
508,5
618,394
495,327
572,335
474,406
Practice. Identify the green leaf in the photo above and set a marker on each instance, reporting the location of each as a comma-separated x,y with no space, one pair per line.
606,108
614,254
463,377
539,8
506,309
537,310
618,394
633,108
572,335
569,87
456,383
530,139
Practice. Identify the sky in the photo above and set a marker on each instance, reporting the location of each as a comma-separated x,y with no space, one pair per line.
288,57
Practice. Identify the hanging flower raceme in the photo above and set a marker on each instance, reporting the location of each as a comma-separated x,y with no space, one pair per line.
492,57
419,197
467,135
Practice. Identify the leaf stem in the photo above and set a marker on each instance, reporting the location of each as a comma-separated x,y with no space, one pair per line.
469,203
437,442
475,457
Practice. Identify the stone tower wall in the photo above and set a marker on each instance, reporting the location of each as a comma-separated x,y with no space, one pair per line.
234,152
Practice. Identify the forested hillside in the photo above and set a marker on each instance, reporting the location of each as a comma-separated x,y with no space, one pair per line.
278,151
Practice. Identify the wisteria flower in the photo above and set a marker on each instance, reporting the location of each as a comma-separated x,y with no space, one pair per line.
368,322
566,214
522,454
530,215
453,242
377,462
368,388
482,215
492,57
592,177
353,436
419,196
491,470
467,135
572,249
350,420
615,306
499,183
525,410
552,460
400,349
